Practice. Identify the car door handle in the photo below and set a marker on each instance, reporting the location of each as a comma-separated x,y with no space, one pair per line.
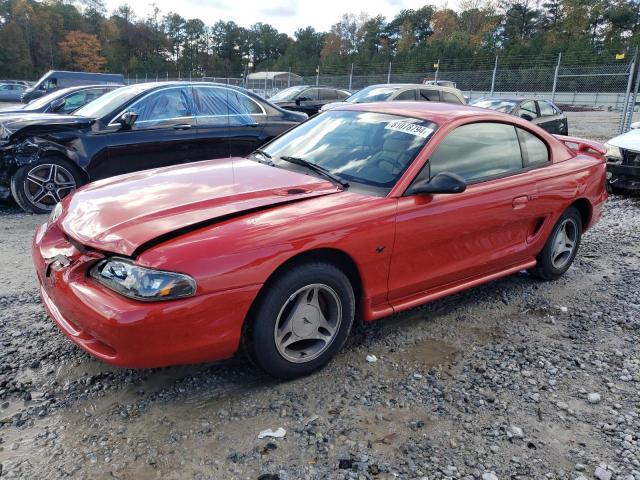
251,125
520,202
182,126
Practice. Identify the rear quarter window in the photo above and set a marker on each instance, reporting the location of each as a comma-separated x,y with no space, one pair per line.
534,150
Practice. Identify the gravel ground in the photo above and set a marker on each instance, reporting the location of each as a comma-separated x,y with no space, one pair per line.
516,379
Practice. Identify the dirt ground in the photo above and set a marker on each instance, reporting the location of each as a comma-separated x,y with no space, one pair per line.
517,379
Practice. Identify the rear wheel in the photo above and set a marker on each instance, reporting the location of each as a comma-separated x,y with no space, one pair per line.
302,320
38,186
561,247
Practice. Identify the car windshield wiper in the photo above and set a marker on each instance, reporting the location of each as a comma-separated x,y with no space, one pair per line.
264,154
318,169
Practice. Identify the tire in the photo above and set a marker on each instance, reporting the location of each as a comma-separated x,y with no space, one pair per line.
286,336
557,255
38,186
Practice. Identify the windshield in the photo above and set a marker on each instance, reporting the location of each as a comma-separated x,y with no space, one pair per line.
287,94
372,94
362,147
109,102
497,104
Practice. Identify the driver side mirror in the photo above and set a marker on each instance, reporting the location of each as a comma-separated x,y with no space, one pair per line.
444,182
301,99
526,116
127,119
57,104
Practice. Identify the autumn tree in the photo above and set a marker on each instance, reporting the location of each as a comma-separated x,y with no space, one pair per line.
81,51
14,54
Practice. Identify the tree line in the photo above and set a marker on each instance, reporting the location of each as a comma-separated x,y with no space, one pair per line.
36,36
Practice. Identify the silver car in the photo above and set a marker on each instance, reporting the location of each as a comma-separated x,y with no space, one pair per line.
394,92
11,92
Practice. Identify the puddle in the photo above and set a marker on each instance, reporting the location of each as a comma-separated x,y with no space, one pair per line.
429,352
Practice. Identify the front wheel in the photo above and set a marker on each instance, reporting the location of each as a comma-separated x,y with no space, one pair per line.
561,247
302,320
38,186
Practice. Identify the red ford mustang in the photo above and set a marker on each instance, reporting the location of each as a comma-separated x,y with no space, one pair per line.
359,212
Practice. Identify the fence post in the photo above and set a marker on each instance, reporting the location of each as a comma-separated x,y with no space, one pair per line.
625,107
632,98
265,83
437,70
555,77
317,75
289,78
493,77
351,77
389,74
635,96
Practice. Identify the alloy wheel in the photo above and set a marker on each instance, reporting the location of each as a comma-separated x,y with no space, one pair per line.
564,243
308,323
48,183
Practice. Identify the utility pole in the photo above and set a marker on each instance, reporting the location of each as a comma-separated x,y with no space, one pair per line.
389,74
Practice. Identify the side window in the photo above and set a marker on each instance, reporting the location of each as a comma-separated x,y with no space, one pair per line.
529,108
327,94
342,95
546,110
534,150
478,150
309,94
248,104
213,105
73,102
429,95
450,98
406,95
219,106
163,105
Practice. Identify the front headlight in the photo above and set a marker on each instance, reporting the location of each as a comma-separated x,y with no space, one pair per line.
141,283
613,154
55,213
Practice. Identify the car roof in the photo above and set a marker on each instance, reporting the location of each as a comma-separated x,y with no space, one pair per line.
515,99
440,113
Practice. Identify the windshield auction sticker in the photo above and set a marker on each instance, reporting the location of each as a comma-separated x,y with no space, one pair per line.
410,128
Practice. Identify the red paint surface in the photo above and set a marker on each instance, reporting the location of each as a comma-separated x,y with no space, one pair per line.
434,245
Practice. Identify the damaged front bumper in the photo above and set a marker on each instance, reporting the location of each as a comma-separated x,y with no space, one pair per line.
12,157
624,177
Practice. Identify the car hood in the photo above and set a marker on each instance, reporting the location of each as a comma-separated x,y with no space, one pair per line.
127,214
627,141
25,124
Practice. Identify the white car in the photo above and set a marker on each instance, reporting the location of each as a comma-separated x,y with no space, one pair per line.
623,161
393,92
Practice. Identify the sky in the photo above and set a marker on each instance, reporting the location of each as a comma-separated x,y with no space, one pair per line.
286,16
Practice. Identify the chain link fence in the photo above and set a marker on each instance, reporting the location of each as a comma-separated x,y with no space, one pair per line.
610,85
